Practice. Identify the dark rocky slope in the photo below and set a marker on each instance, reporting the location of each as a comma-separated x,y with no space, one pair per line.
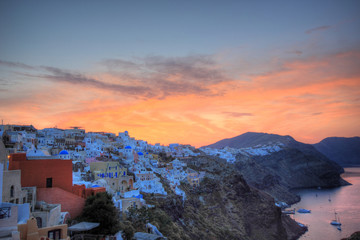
344,151
354,236
296,165
287,169
225,207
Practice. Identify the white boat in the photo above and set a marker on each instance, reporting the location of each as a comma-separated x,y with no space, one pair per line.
336,222
302,210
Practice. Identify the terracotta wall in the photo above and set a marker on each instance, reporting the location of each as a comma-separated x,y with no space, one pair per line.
35,172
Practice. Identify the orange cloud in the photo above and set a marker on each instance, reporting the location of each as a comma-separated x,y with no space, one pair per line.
309,99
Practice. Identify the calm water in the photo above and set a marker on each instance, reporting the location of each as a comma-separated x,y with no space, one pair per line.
344,200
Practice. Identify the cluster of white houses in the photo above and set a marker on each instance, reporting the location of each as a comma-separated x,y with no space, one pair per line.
69,165
229,153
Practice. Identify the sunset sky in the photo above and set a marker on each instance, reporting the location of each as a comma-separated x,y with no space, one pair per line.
191,72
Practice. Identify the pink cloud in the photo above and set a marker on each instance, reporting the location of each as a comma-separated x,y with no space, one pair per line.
309,99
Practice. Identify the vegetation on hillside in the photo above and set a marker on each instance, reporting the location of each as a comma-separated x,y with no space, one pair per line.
100,209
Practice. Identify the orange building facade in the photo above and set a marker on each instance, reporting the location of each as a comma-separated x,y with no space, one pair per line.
53,180
42,173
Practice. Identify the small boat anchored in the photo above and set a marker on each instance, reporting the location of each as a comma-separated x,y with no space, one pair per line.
336,222
302,210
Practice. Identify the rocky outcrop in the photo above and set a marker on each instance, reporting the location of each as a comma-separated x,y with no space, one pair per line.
267,180
224,206
354,236
279,172
291,165
343,151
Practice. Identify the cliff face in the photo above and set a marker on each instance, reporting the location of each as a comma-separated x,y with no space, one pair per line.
276,164
231,209
344,151
224,206
281,171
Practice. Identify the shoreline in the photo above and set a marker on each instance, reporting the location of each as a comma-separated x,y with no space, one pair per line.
293,190
353,171
351,166
343,183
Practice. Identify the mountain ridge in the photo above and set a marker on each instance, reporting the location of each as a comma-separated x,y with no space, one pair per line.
249,140
342,150
291,165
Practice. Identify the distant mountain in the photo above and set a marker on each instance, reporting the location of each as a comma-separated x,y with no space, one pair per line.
344,151
251,139
277,164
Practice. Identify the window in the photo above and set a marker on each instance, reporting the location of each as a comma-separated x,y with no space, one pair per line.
49,182
54,234
12,191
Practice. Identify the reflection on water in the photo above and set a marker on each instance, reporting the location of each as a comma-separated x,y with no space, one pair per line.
322,203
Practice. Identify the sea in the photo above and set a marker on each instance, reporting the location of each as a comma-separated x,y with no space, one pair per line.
323,203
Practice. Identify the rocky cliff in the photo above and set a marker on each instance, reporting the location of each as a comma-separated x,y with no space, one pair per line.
281,171
224,206
288,164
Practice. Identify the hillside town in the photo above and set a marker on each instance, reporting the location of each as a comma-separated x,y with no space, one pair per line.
72,184
47,174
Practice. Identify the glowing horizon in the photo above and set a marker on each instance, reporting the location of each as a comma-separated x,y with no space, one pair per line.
194,80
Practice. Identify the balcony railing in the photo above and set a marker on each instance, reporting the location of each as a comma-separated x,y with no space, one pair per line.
5,212
92,237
